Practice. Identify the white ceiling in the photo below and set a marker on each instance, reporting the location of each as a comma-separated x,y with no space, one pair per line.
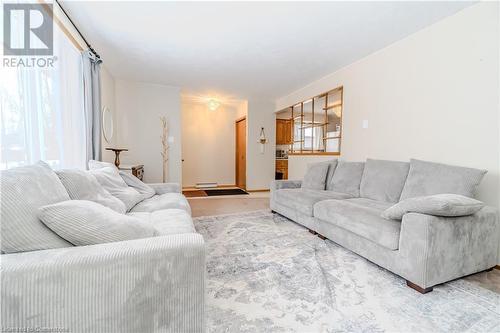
260,50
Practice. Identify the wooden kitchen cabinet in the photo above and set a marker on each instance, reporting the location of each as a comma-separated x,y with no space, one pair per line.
282,166
284,132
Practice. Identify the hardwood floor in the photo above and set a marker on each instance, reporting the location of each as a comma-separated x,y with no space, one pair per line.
208,206
489,280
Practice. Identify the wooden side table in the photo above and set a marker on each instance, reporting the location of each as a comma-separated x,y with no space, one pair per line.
117,155
137,170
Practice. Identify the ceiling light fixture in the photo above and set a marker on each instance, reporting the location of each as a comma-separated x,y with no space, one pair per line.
213,104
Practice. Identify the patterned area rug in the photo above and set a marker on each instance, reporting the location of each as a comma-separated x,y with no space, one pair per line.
268,274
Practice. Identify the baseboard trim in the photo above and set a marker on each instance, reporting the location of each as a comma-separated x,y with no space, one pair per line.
260,190
194,188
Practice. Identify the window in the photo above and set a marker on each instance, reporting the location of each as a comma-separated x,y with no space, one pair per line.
41,111
317,124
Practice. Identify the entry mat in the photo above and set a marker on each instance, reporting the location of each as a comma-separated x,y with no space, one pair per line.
214,192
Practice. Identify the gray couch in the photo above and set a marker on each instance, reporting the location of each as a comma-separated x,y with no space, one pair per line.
152,284
345,206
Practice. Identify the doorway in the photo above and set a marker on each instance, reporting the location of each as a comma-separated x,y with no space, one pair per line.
241,152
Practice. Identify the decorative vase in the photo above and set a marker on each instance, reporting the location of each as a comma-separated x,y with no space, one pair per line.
164,152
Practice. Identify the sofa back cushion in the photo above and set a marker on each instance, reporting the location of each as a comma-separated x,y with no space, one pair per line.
315,177
94,165
82,185
331,171
428,178
347,178
383,180
23,191
110,179
84,222
144,189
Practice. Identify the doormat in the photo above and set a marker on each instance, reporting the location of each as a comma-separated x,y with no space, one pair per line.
225,191
213,192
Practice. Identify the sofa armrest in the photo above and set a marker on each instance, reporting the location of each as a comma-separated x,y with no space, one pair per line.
440,249
282,184
145,285
162,188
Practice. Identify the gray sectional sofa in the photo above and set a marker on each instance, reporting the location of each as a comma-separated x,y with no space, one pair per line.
431,242
154,284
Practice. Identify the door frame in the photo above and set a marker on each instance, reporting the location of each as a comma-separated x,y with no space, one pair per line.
244,118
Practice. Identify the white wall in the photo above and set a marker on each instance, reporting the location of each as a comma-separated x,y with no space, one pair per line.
139,107
208,143
297,164
108,100
432,96
260,166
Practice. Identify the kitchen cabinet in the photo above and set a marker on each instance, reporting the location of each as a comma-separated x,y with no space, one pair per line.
284,132
282,166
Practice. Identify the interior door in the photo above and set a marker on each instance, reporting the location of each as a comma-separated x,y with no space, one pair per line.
241,153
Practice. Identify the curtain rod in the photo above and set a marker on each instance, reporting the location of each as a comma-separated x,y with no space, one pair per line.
76,28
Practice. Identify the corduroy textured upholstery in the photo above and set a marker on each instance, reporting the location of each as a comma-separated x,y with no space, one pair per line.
424,249
83,222
162,188
82,185
428,178
145,285
23,191
154,284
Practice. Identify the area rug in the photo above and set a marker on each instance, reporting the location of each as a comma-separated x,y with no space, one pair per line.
268,274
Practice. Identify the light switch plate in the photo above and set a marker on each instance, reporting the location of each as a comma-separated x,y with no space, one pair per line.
171,139
365,123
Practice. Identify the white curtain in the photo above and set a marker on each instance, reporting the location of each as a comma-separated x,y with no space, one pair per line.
42,111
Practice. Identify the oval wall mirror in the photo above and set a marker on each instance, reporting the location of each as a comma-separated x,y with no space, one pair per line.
107,124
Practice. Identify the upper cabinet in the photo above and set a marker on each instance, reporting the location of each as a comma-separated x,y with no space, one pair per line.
284,132
315,124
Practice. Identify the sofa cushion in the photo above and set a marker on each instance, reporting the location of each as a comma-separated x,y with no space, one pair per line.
303,200
111,180
81,185
83,222
383,180
94,165
167,221
163,201
331,171
451,205
132,181
428,178
23,191
370,203
315,177
362,221
347,178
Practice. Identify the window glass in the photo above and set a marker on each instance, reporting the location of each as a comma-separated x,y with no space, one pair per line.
317,124
41,111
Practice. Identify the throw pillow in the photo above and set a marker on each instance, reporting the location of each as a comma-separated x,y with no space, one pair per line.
145,190
347,178
93,165
24,190
438,205
111,180
315,177
83,222
82,185
428,178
